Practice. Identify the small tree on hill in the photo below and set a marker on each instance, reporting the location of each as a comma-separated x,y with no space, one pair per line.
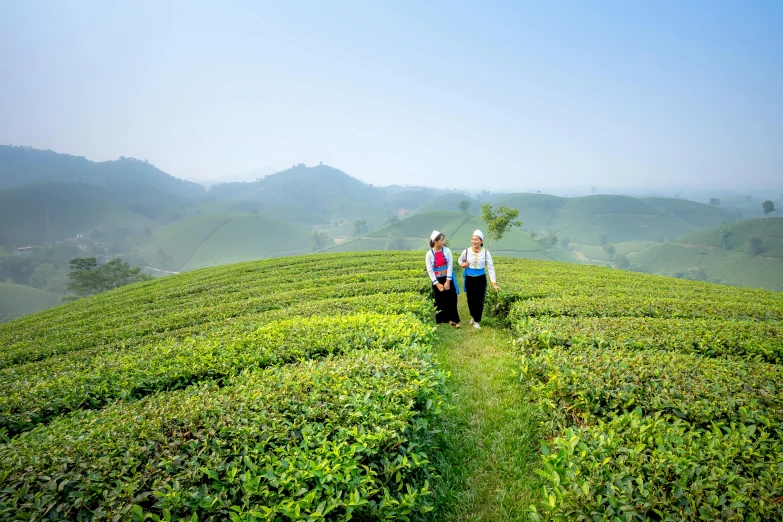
87,278
397,241
609,249
394,220
621,261
500,221
755,245
715,202
320,240
464,206
359,227
726,233
768,207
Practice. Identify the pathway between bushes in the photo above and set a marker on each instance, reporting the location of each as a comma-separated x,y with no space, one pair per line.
490,441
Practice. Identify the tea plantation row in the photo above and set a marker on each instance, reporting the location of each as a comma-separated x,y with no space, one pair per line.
298,388
663,398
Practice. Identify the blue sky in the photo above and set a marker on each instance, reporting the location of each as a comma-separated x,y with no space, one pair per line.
497,95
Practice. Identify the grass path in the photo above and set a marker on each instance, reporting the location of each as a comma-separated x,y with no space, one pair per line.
490,440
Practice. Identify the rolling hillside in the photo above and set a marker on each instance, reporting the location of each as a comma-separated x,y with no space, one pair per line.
34,214
19,300
588,219
320,193
702,254
214,239
458,228
326,373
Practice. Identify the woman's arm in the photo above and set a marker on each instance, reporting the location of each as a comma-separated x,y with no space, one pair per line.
430,265
490,269
463,259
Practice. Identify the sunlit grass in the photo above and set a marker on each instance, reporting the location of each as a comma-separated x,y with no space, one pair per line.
490,440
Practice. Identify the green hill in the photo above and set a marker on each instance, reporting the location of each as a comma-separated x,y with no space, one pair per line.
703,255
213,239
321,193
135,184
449,201
458,228
20,300
303,387
768,230
34,214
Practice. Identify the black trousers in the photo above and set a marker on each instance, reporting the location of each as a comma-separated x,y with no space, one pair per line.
445,303
476,291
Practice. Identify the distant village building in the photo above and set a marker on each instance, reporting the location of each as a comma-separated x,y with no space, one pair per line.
24,251
403,212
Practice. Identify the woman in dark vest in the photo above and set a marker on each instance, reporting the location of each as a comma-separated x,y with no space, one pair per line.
474,260
439,263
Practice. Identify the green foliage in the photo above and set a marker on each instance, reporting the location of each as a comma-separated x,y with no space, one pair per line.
359,227
621,261
320,240
726,233
708,337
715,202
662,397
499,221
343,437
300,388
755,245
464,205
87,278
768,207
397,241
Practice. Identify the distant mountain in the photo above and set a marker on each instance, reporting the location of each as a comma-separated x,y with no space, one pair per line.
135,184
323,192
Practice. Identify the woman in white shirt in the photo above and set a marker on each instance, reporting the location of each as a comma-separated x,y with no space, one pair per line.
439,263
474,260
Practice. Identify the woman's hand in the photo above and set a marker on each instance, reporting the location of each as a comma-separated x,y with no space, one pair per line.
448,284
495,286
440,287
464,264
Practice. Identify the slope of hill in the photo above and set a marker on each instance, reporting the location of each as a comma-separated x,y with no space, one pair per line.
703,255
34,214
335,357
213,239
19,300
322,191
448,201
769,232
458,228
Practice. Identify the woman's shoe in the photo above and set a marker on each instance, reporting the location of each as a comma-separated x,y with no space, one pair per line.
476,325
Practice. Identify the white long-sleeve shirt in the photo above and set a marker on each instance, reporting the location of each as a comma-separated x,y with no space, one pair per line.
429,261
481,260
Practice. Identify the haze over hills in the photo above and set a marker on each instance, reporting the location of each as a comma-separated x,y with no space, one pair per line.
131,209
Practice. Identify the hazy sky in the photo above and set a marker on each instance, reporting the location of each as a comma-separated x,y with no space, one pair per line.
492,95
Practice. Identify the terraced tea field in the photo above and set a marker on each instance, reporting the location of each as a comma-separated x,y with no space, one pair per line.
663,398
313,388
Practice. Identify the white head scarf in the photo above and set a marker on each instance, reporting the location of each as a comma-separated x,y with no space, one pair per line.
434,234
478,233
